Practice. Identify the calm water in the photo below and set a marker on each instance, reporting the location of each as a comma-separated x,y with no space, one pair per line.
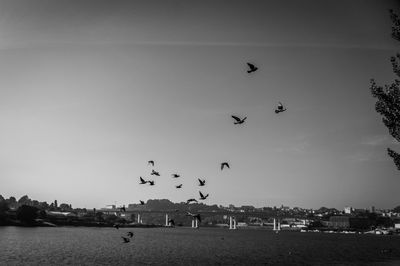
186,246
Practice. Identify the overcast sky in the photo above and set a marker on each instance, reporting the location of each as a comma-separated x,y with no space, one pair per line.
92,90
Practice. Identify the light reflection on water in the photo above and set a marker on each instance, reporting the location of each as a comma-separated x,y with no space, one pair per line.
186,246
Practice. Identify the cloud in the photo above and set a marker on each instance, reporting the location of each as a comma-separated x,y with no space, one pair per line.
379,140
368,156
373,148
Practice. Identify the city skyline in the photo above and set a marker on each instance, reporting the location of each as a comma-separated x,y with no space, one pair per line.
159,204
91,91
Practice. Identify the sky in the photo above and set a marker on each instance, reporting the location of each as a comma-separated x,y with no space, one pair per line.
92,90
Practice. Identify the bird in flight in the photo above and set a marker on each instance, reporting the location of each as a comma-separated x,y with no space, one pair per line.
197,216
155,173
151,182
141,202
201,182
223,165
151,162
130,234
202,197
142,181
179,186
252,68
191,200
175,175
238,120
126,240
280,108
122,209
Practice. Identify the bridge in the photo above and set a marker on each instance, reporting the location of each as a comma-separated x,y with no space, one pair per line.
168,213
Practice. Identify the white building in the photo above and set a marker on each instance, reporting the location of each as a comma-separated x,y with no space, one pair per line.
348,210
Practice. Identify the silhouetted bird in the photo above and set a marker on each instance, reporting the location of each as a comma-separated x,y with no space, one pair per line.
155,173
142,181
151,162
191,200
201,182
252,68
238,121
179,186
202,197
151,182
280,108
197,216
116,226
141,202
171,222
130,234
224,164
126,240
122,209
175,175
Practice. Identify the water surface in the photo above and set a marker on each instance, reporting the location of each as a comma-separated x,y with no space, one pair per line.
187,246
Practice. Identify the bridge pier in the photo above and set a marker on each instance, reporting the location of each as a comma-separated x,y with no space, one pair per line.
277,225
166,220
195,223
232,222
139,219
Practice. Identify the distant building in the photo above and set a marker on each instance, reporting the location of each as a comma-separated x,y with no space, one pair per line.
284,208
61,214
339,222
248,208
345,222
242,224
396,224
348,210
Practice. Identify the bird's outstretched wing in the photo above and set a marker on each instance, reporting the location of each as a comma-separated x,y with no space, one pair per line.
201,194
251,65
236,118
142,180
224,164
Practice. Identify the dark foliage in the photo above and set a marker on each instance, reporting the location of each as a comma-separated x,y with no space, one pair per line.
3,211
27,214
388,96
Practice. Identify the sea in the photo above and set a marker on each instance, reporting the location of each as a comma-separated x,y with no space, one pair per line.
189,246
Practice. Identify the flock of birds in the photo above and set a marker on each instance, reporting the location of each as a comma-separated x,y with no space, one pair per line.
201,182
